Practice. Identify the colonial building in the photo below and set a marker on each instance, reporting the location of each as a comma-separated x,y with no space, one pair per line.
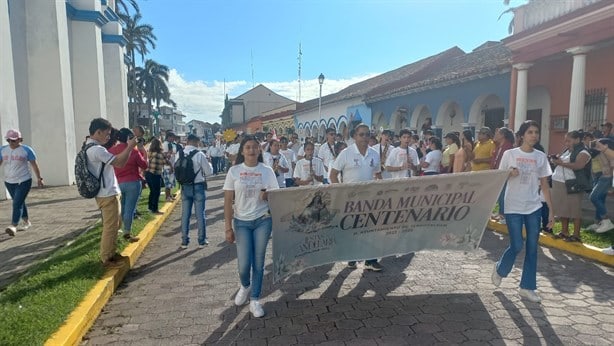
62,65
340,109
563,56
172,119
466,91
239,110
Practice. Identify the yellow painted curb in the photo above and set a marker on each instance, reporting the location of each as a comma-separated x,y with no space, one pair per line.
83,317
580,249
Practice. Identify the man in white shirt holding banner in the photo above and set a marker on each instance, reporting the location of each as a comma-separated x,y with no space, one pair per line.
358,162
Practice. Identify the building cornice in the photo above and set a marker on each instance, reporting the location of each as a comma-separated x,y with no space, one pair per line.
86,16
118,39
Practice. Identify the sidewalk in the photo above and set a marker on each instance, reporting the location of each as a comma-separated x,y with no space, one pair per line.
58,215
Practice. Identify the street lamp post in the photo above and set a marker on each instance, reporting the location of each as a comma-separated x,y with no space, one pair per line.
321,81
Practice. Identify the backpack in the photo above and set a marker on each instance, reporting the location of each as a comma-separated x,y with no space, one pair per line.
184,168
87,183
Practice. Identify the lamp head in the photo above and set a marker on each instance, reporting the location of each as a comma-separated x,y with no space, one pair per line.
321,79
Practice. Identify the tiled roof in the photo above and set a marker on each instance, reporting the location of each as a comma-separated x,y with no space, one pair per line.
278,115
491,58
361,89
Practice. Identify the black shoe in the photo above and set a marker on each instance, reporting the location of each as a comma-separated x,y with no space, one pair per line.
374,266
352,264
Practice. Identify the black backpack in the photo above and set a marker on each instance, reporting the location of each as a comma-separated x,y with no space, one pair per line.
184,168
87,183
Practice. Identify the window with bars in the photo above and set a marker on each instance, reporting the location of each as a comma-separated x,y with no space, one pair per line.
595,101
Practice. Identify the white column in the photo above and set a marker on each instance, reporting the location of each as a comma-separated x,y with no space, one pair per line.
45,100
8,96
87,69
576,96
115,78
522,85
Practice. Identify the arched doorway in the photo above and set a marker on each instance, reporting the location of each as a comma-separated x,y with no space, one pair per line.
450,117
399,119
379,120
420,115
487,111
343,129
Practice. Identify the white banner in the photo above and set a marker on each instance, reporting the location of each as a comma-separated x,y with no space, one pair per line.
359,221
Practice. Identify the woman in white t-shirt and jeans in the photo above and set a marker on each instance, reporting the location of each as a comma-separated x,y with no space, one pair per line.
249,222
529,171
431,164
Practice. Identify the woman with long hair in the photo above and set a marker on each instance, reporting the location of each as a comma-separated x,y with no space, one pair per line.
504,140
453,144
129,180
529,171
464,155
248,219
573,163
153,174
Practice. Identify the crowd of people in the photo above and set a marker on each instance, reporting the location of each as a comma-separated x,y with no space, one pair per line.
539,186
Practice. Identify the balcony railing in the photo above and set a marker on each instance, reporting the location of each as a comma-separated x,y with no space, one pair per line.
537,12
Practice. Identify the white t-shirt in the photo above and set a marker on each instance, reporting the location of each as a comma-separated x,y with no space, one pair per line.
233,149
355,166
15,162
170,146
96,155
384,151
290,156
433,158
304,167
301,151
398,157
522,192
327,154
246,182
268,159
200,163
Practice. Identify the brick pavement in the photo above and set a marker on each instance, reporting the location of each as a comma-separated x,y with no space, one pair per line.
58,214
184,297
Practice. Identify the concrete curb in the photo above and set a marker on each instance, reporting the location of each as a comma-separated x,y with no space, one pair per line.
83,317
580,249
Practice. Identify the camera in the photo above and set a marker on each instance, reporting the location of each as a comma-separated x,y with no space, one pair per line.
552,157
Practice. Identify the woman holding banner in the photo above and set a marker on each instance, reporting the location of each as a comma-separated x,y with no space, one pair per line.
529,171
249,222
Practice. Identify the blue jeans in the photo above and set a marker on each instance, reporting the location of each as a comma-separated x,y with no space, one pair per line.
215,162
514,225
193,194
252,238
131,191
598,196
18,193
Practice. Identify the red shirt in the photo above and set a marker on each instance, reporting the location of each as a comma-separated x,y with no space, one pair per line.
130,172
495,158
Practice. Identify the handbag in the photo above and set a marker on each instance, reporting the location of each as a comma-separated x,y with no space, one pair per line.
575,185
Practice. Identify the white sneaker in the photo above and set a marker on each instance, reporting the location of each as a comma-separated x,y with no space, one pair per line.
530,295
256,309
241,296
502,221
495,277
604,226
23,226
592,227
608,251
11,230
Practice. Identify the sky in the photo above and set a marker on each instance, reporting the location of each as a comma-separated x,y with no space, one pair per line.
218,47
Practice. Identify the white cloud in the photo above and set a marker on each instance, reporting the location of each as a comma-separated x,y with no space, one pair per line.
204,100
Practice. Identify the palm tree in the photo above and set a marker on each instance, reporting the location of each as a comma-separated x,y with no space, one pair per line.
139,38
152,79
121,6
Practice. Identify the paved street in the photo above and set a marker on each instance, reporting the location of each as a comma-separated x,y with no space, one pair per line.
182,297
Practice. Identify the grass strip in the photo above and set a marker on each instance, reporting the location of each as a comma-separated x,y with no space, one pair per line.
35,306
